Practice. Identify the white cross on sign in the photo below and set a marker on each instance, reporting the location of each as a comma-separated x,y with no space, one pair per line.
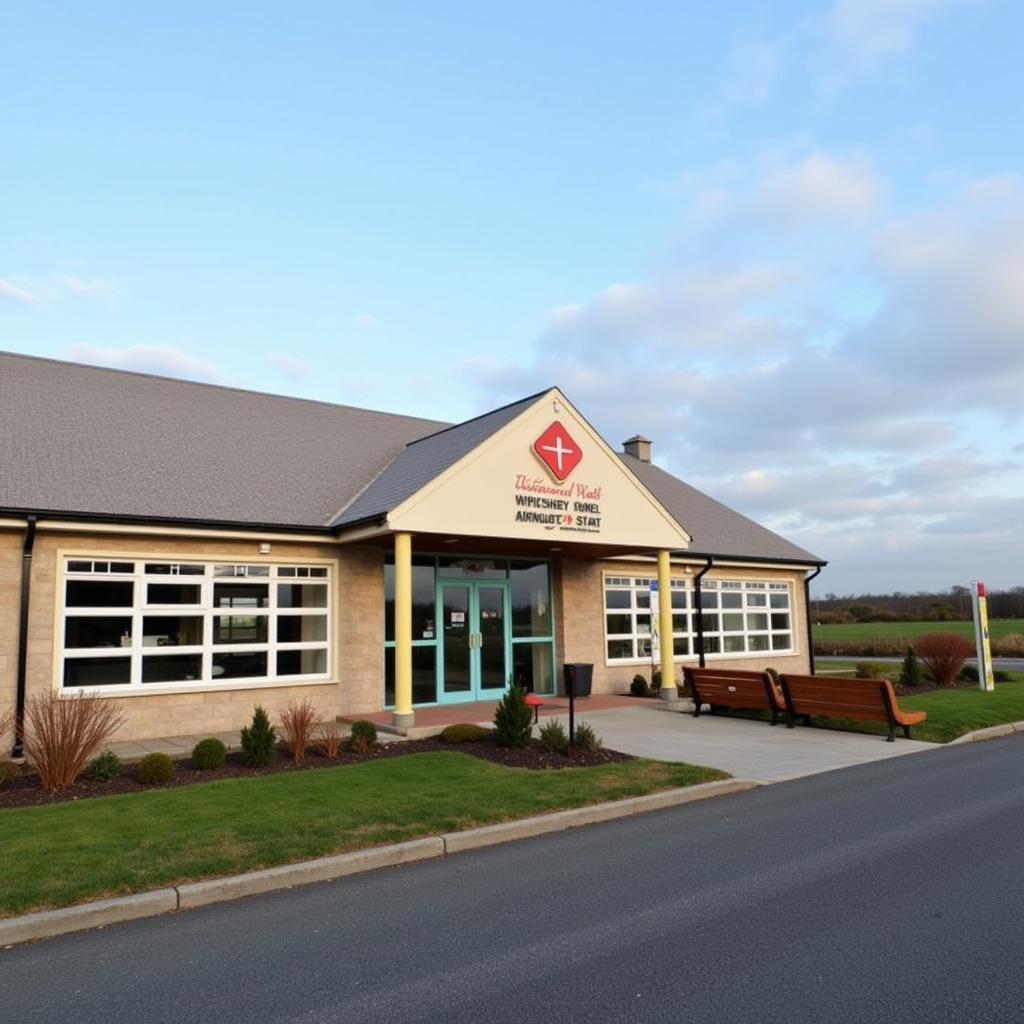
558,450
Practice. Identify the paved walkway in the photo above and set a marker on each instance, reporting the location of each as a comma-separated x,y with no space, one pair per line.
747,749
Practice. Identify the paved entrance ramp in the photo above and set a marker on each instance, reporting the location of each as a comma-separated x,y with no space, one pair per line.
747,749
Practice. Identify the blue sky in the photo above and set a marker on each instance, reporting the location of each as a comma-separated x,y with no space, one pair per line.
784,240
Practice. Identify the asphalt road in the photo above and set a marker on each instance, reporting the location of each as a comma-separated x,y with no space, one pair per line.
890,891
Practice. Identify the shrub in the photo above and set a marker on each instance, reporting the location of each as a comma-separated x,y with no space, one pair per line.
586,738
1000,675
329,743
258,740
943,655
554,737
639,687
62,733
156,770
865,670
7,770
208,754
911,673
1009,646
105,767
298,723
656,680
362,737
513,719
464,732
970,673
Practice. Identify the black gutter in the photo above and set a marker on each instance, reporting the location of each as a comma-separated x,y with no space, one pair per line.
699,608
134,520
26,587
807,612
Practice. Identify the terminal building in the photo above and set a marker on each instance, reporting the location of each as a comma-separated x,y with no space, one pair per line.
191,551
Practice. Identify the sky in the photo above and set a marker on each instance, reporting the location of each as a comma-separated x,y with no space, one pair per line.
783,240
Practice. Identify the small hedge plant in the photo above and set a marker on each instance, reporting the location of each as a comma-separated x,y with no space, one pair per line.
513,719
911,672
362,737
865,670
464,732
554,737
258,740
586,738
105,767
156,770
639,687
208,754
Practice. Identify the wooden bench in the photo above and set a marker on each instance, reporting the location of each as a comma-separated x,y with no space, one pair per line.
872,700
734,688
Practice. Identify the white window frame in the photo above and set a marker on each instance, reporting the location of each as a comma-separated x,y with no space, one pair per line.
297,573
749,591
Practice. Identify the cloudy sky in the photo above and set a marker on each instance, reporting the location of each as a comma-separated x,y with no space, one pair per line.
784,240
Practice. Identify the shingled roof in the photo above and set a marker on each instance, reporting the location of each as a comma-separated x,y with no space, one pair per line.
83,440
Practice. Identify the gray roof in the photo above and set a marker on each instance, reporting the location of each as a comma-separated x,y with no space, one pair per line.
83,440
106,442
714,528
425,459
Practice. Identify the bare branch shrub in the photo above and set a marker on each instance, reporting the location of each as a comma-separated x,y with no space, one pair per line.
62,733
329,741
943,655
298,723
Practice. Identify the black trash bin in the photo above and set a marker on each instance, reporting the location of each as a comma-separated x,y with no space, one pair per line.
579,677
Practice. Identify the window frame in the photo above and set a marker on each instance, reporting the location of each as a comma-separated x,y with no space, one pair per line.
753,585
136,650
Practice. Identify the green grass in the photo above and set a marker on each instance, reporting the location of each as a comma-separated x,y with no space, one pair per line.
907,631
65,853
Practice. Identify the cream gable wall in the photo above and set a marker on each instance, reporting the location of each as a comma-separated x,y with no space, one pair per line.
478,495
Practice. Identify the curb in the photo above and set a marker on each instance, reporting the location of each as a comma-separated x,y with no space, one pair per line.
993,732
99,913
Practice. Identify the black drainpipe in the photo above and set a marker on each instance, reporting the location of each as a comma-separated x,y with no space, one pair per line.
807,612
26,587
699,609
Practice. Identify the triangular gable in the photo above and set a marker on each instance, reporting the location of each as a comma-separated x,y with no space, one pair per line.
546,475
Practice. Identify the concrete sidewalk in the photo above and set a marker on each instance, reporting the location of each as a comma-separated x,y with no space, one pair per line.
745,748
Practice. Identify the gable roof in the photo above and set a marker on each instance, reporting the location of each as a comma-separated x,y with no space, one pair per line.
85,440
82,439
426,458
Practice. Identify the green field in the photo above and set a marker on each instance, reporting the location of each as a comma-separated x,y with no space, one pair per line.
906,631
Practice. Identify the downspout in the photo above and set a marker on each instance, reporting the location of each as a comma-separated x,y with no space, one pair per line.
26,587
698,608
807,613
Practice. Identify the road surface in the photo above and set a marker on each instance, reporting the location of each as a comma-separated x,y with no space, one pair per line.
890,891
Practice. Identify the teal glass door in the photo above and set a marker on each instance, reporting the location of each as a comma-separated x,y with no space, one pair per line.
476,642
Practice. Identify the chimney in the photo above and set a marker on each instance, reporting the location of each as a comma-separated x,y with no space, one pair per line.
639,447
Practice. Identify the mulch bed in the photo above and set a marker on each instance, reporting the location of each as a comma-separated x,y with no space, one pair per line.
23,789
910,691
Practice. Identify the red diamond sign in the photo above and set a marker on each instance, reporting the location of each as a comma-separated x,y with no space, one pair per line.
558,451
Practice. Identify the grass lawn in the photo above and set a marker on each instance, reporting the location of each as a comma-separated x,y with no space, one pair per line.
907,631
66,853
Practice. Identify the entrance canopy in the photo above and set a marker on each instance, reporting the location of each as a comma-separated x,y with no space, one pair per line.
533,478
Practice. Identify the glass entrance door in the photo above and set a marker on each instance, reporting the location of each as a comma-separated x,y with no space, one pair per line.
475,637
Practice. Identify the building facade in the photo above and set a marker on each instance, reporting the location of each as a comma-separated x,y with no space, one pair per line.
190,551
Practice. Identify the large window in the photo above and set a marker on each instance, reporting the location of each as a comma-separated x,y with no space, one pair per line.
152,625
740,617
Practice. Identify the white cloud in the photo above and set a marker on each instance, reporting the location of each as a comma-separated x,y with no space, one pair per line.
164,360
841,387
16,293
95,289
366,322
870,30
291,366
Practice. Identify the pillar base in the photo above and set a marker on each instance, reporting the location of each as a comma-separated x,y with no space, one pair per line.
669,693
406,721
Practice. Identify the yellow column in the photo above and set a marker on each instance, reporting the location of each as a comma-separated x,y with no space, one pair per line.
668,668
403,715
